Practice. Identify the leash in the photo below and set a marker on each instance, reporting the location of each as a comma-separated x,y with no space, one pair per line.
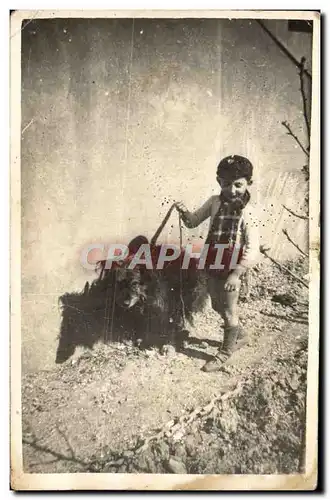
110,307
110,310
153,242
181,281
161,227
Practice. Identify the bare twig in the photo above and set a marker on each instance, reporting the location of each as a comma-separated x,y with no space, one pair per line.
66,439
286,317
287,126
304,98
300,216
282,47
57,455
293,243
283,268
47,462
88,465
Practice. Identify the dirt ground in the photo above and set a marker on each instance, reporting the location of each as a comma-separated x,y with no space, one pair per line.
118,409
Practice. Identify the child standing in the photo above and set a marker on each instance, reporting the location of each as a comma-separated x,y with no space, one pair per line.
233,222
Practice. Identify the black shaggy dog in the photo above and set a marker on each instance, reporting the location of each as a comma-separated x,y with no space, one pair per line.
150,307
159,301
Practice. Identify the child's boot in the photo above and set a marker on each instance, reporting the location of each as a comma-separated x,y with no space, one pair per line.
228,346
242,339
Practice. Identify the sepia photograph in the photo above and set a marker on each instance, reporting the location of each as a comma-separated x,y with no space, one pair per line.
165,228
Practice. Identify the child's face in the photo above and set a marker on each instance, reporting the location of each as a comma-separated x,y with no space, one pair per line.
233,189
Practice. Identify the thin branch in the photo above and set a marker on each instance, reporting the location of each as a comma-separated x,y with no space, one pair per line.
59,456
283,268
304,98
287,126
52,461
284,231
66,439
300,216
89,465
282,47
287,317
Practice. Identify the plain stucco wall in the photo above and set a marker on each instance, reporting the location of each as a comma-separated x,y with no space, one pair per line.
119,126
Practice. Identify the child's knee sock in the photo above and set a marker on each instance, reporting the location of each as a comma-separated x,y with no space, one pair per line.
230,337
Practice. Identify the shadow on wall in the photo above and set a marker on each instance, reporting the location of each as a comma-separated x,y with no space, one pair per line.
141,305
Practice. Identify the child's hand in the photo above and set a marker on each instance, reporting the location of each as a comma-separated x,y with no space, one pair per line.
181,207
232,283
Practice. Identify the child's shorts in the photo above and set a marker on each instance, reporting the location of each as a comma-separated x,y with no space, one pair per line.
221,299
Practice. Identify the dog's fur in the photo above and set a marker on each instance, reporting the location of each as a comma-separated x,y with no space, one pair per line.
139,304
160,300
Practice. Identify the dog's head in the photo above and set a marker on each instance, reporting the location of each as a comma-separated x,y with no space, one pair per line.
130,288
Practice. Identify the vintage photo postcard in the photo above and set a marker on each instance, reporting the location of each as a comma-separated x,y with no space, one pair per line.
165,250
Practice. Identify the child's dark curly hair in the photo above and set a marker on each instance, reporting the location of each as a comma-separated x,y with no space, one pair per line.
234,167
